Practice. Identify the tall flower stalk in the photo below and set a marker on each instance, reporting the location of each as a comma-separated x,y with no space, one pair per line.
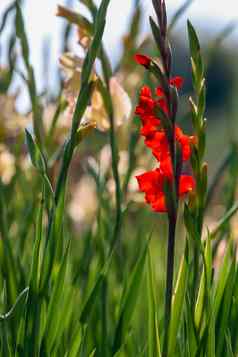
170,146
197,209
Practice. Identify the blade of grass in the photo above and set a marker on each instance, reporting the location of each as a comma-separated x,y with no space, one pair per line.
53,310
224,220
178,303
128,301
153,331
21,33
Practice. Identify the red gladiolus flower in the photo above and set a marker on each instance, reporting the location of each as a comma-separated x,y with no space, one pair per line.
152,182
143,60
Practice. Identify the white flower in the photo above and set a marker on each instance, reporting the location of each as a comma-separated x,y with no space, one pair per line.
7,165
121,102
121,107
96,111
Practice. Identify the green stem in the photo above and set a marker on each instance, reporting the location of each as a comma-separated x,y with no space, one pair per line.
114,151
107,73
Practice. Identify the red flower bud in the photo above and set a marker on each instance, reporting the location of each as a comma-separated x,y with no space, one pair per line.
143,60
176,82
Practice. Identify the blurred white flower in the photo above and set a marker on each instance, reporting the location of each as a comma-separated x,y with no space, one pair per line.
7,164
102,164
96,111
83,206
123,162
133,190
121,107
11,122
72,68
121,102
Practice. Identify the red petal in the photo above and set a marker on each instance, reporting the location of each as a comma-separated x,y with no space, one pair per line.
145,91
166,167
186,184
159,92
176,82
159,205
143,60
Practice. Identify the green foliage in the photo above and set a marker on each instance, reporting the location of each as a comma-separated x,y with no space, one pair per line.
67,290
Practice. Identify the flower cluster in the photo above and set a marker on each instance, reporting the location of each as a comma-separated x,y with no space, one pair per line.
152,182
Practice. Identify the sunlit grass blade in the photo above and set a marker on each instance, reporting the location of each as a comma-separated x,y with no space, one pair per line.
92,354
204,287
226,218
228,347
18,305
76,343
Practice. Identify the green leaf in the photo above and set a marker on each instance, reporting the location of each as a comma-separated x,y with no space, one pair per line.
197,65
202,100
5,343
54,304
211,340
229,345
18,304
7,261
38,161
31,335
76,343
178,304
92,354
128,300
98,33
153,331
21,33
191,334
204,287
36,251
93,295
37,158
193,41
223,322
222,280
222,222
